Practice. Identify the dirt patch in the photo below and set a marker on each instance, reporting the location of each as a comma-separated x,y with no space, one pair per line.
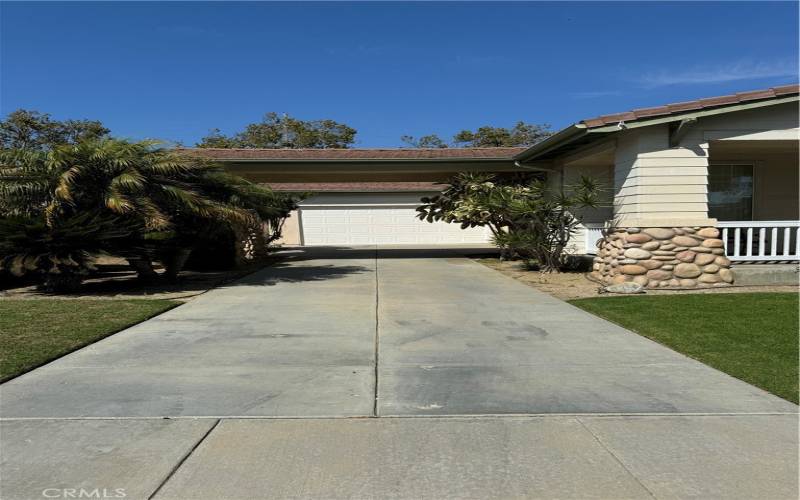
115,280
575,285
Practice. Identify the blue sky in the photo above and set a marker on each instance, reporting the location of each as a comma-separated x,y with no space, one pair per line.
175,70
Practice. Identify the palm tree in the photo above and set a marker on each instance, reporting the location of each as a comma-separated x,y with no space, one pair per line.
164,196
128,179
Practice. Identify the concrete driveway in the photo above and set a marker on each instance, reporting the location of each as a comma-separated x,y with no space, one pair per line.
252,391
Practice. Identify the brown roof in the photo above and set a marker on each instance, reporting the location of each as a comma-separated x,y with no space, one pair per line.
354,187
683,107
358,154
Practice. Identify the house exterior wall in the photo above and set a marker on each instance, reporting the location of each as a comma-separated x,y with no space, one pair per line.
604,175
333,177
662,235
291,230
659,186
356,172
362,171
778,122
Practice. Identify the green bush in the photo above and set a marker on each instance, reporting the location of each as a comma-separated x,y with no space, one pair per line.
527,218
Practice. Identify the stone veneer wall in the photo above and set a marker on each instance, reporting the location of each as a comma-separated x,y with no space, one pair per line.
662,257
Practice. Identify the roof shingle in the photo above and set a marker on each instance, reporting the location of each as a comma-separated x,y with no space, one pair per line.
682,107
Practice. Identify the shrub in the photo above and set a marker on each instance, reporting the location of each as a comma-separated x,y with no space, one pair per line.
526,217
60,254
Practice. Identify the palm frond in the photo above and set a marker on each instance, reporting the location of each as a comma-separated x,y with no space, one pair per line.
129,179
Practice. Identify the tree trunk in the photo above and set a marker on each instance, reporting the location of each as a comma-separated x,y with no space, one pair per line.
175,261
144,269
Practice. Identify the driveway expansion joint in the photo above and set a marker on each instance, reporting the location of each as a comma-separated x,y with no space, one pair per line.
460,416
377,336
183,460
615,457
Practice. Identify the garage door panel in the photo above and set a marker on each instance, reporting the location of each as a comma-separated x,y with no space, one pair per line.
359,220
388,225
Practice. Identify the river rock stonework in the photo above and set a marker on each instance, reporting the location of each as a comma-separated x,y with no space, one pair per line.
663,257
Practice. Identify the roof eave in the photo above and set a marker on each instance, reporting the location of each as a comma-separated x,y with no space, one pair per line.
361,160
579,130
694,114
556,140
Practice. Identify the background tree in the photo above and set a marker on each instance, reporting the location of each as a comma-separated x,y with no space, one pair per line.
525,216
426,141
275,131
32,130
520,135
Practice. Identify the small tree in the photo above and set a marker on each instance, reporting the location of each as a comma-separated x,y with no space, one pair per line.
526,217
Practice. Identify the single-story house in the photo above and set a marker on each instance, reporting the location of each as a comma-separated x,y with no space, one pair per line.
692,187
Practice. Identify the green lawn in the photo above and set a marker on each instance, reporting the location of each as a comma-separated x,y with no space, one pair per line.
752,336
33,332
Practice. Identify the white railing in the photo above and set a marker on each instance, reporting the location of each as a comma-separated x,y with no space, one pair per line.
593,232
759,241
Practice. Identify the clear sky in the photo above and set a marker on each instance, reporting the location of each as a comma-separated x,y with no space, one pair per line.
175,70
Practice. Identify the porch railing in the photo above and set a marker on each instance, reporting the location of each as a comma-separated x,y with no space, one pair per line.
760,241
593,232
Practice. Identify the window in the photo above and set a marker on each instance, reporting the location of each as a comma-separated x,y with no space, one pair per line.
730,192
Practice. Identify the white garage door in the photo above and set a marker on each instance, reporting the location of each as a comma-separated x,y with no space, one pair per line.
350,223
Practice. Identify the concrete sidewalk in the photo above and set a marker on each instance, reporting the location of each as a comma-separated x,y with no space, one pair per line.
720,457
270,388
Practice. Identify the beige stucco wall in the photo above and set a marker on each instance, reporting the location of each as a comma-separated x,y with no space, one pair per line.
291,230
